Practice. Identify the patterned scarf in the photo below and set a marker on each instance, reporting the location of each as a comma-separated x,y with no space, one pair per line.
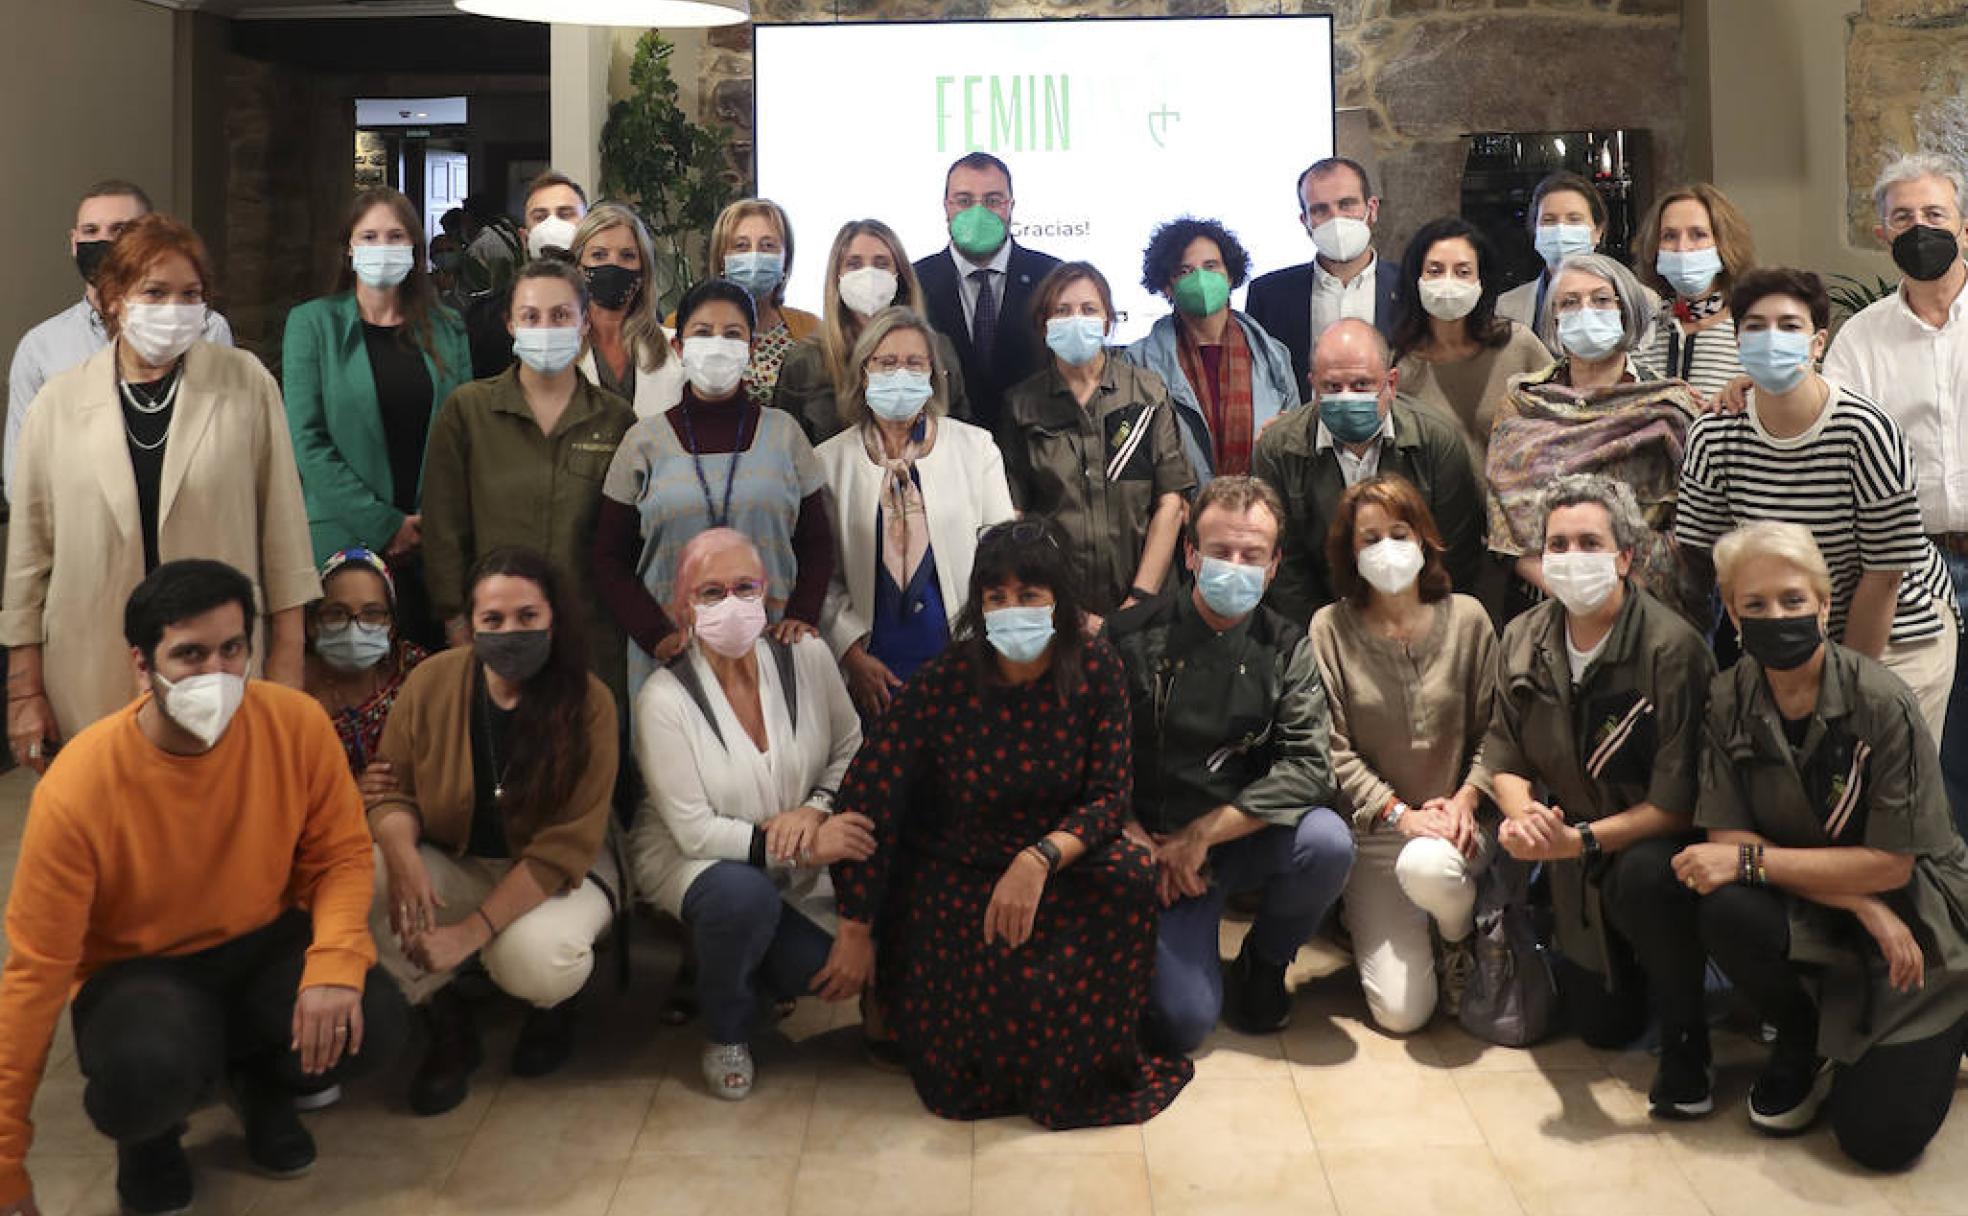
1690,312
905,524
1228,410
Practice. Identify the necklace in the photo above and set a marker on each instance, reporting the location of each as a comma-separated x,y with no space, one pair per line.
137,402
719,518
492,746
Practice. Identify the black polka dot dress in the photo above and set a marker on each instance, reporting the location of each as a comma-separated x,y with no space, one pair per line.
958,779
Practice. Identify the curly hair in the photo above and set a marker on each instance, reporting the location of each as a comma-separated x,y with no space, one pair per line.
1170,241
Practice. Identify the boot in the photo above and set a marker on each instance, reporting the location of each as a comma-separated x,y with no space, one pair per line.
443,1079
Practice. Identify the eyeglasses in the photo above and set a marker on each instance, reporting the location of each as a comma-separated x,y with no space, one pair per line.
1604,300
994,201
890,363
334,616
710,595
1017,532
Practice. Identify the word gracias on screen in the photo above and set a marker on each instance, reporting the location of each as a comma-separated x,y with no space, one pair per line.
1028,113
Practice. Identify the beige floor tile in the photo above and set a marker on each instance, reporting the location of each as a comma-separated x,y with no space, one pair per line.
1230,1118
595,1121
1332,1030
882,1184
685,1119
374,1120
1018,1138
1735,1168
1572,1143
1228,1056
1388,1179
73,1186
543,1183
1253,1184
1083,1186
1462,1051
1937,1185
716,1184
871,1114
1352,1109
1572,1106
61,1126
377,1186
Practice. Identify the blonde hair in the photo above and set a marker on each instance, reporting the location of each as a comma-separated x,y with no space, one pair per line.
841,325
1732,241
1791,544
725,230
697,551
853,405
642,329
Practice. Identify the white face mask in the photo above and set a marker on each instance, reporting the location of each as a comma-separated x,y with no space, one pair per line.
547,349
1580,581
550,233
160,333
1449,299
202,704
714,365
382,266
868,289
1390,565
1342,238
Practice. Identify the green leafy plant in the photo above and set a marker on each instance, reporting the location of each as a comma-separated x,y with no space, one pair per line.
1851,296
670,168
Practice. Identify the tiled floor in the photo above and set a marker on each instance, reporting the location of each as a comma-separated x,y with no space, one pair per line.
1328,1117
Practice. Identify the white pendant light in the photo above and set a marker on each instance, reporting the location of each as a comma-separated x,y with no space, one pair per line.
658,13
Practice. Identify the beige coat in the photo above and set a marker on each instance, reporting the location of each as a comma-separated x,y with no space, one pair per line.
75,548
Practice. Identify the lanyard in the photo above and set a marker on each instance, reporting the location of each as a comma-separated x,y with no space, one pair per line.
719,518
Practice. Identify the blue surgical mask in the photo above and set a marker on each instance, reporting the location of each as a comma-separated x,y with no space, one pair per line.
1351,417
899,395
1775,359
353,647
758,272
1019,634
1230,588
1556,242
1076,340
382,265
1591,333
1691,272
547,349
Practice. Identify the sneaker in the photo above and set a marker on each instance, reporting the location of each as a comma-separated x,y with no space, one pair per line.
1785,1100
1457,965
153,1178
275,1140
728,1070
443,1078
1262,1003
546,1039
317,1099
1684,1084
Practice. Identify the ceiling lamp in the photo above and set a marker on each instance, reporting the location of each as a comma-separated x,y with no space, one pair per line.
642,13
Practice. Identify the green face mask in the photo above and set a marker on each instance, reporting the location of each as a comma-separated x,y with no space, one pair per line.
1202,293
977,231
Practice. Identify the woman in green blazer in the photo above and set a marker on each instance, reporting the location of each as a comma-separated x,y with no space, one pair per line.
364,372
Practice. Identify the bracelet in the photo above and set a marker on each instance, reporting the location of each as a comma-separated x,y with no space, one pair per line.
489,926
1048,852
1589,849
1750,866
1392,815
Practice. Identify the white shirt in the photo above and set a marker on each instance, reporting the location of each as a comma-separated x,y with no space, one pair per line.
1334,301
999,265
68,339
1355,467
1582,659
1919,375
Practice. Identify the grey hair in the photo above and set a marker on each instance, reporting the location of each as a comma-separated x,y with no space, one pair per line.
1911,168
1635,301
1581,489
853,408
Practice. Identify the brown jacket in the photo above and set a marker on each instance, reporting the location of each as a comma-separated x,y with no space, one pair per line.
428,746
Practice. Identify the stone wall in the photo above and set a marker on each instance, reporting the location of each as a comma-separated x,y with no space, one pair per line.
1427,72
1906,87
371,160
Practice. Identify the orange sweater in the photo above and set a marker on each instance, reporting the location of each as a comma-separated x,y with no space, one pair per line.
131,851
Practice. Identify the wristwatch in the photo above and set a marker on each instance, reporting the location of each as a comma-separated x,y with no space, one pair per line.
1589,849
1050,852
1393,815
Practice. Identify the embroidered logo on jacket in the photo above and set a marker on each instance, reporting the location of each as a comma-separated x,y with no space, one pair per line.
1613,733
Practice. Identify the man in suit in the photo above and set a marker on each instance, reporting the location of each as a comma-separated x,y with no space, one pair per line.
1295,305
978,290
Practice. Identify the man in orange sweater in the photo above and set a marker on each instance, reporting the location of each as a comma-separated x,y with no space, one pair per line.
196,872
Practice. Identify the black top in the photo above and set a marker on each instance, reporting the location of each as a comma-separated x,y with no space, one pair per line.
1795,730
403,397
622,386
491,729
146,428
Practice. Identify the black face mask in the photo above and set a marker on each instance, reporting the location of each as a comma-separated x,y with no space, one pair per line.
1781,643
1925,253
613,286
89,257
516,655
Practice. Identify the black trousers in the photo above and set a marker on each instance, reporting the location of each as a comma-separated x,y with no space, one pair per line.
1656,961
1887,1104
155,1037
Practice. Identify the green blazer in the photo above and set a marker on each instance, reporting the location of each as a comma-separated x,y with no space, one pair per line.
337,423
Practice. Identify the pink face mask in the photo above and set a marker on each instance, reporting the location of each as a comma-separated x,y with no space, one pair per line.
731,626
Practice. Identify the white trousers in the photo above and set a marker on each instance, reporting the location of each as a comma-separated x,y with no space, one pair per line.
1927,667
543,958
1397,885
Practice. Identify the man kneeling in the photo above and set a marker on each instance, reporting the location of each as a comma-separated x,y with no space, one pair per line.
1232,779
170,852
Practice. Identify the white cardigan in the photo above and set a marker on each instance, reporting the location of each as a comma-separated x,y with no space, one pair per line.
655,391
963,488
706,796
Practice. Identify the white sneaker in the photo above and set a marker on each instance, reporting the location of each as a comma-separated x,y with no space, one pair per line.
728,1070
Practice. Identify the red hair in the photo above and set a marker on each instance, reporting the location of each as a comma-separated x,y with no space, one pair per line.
147,241
1398,497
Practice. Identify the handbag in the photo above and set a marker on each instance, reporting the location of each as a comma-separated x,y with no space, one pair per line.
1512,996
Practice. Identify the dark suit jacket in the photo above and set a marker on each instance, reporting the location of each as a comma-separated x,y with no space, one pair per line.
1282,303
1019,351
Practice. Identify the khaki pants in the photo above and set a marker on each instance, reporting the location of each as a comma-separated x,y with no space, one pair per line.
1927,667
543,958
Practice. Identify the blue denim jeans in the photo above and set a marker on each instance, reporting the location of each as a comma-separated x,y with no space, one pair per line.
1954,739
749,943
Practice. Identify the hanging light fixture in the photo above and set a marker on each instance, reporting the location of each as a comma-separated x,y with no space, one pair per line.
659,13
